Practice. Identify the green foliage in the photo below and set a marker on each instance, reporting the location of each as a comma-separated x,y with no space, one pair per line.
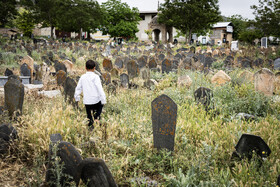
8,11
250,35
267,16
25,22
190,16
120,19
240,25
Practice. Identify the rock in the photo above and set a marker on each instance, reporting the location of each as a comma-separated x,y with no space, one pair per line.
50,93
68,64
264,81
95,173
150,84
14,95
245,116
8,72
184,80
246,76
220,78
277,84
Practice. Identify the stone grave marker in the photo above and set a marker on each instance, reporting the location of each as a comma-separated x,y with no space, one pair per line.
125,61
203,96
124,80
114,72
246,63
264,81
264,42
107,64
220,78
132,69
94,172
8,72
119,63
152,63
69,90
258,62
14,95
277,64
208,62
145,73
60,66
229,61
161,57
106,77
60,77
166,66
142,61
187,63
164,116
185,81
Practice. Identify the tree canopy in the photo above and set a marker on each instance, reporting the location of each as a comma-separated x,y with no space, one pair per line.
240,25
267,16
8,11
120,20
190,16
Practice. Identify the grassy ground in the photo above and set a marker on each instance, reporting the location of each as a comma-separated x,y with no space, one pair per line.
204,142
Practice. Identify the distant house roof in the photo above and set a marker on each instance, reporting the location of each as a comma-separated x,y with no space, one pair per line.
148,12
222,24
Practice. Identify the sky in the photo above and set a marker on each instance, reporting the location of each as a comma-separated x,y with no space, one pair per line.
227,7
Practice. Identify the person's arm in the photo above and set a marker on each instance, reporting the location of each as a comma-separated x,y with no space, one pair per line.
78,90
100,90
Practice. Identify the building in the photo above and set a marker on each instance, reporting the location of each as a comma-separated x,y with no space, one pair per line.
222,33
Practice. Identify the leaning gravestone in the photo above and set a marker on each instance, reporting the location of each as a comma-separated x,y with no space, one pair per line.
25,70
166,66
106,77
203,96
119,63
164,116
264,81
69,90
95,173
132,69
14,95
124,80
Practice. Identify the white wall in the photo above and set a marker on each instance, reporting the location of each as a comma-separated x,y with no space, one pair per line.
143,25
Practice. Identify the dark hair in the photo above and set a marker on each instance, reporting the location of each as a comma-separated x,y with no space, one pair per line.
90,64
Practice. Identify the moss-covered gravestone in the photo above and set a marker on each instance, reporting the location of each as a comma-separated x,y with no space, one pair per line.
124,80
166,66
164,116
132,69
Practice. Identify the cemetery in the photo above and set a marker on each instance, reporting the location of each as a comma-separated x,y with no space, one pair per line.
175,115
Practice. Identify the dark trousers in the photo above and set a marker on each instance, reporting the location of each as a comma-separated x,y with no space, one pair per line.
96,109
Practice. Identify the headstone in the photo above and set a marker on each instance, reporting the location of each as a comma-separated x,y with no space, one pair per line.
258,62
166,66
25,70
124,80
208,62
94,172
119,63
164,116
108,50
142,61
8,72
152,63
161,57
185,81
107,64
204,96
70,159
220,78
187,63
277,64
60,66
14,95
106,78
69,90
264,81
132,69
60,77
145,73
234,45
68,64
114,72
264,42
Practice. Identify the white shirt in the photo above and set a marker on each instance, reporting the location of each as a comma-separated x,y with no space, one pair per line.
91,87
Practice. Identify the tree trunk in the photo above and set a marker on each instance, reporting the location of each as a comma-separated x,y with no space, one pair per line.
52,27
88,35
81,33
190,36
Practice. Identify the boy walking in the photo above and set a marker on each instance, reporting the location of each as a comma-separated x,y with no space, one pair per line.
94,96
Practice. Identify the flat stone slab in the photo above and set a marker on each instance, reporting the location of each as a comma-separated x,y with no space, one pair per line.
33,86
50,94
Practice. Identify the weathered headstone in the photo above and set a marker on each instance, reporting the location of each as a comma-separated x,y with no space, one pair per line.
142,61
145,73
106,78
25,70
114,72
8,72
14,95
204,96
60,77
60,66
185,81
164,116
152,63
229,61
119,63
95,173
69,90
132,69
220,78
264,81
208,62
107,64
166,66
124,80
246,63
277,64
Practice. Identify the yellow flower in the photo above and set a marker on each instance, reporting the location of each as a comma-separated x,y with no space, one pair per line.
263,152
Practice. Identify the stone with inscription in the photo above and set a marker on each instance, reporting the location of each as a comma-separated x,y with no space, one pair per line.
25,70
164,116
107,64
264,81
119,63
124,80
106,77
166,66
132,69
152,62
60,77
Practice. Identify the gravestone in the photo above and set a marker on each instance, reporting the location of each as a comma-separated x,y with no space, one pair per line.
258,62
142,61
60,77
14,95
107,64
246,63
7,134
25,70
60,66
187,63
277,64
132,69
119,63
95,173
208,62
106,77
145,73
229,61
152,63
220,78
164,116
125,62
185,81
8,72
264,42
166,66
161,57
124,80
204,96
69,90
108,50
114,72
70,159
264,81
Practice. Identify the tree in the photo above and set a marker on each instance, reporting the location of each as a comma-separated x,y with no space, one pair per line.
120,19
8,11
250,35
25,21
80,15
267,16
190,16
239,24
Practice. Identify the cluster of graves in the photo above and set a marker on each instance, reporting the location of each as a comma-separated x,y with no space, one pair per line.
120,66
